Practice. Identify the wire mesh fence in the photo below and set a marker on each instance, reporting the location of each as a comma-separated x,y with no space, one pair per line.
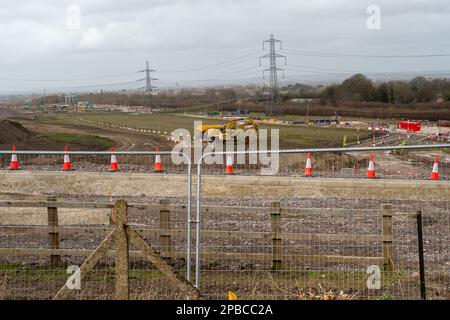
84,161
337,240
318,253
260,237
389,164
301,252
28,269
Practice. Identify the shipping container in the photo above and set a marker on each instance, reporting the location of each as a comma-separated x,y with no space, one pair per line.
409,126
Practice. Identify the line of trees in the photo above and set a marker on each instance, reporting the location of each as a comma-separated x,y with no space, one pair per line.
359,88
356,90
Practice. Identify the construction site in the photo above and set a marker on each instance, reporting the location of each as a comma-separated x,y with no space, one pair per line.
276,174
309,231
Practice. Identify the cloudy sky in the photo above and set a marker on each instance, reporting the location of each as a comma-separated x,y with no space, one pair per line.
91,44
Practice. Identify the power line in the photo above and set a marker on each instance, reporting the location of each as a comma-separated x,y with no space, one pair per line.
95,85
148,79
73,79
344,55
256,78
227,75
273,68
322,69
218,65
351,72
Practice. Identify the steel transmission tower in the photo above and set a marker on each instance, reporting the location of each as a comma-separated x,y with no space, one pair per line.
273,68
148,79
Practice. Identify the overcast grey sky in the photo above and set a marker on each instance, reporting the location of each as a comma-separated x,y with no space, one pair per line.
45,40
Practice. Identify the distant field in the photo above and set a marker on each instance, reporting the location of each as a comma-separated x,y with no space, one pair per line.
160,122
290,136
81,139
296,137
293,117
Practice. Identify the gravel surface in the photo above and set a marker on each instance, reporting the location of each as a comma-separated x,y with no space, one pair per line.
349,216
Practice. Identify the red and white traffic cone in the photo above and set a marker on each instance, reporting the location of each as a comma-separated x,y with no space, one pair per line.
229,168
371,168
113,166
308,167
67,165
435,172
14,165
158,164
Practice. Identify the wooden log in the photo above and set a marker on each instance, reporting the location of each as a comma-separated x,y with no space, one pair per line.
43,204
162,265
53,236
275,223
122,254
205,233
213,256
388,248
165,242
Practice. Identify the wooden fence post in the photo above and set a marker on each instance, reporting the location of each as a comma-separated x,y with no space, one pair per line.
388,248
122,255
53,235
275,222
165,241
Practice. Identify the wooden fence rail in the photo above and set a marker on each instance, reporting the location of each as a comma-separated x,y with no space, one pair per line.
274,238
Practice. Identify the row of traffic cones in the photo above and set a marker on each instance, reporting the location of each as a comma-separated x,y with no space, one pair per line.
158,167
370,169
372,175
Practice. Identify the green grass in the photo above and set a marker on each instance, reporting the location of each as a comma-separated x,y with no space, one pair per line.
290,136
304,136
81,139
159,122
45,273
251,284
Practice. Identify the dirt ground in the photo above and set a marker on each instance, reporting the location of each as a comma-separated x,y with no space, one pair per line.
125,141
25,277
8,113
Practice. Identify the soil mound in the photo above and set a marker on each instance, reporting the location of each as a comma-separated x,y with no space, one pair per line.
13,133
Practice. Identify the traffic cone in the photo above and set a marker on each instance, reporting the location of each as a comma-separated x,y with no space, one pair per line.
229,169
158,164
67,164
14,165
435,172
308,167
113,167
371,168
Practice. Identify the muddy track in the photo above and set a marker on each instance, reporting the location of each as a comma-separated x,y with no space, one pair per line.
125,141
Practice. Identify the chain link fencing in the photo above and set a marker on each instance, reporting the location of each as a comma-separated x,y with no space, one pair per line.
262,237
295,237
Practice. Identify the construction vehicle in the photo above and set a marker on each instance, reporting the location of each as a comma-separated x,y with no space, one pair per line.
224,132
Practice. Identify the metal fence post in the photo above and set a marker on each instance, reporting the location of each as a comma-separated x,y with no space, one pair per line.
388,249
53,235
421,258
275,223
164,226
197,223
189,218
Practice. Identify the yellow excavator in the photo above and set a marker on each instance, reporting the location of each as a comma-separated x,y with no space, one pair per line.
213,132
